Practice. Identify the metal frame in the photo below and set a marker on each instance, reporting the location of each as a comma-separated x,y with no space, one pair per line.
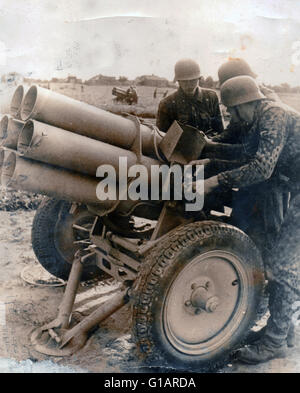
57,338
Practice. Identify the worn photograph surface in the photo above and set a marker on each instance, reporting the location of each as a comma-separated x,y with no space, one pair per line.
150,187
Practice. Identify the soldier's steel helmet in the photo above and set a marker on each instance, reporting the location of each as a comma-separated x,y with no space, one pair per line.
186,69
240,90
234,67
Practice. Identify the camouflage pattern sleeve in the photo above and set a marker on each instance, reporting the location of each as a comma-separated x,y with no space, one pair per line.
215,166
272,126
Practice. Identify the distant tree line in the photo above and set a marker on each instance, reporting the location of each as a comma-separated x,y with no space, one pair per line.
285,88
144,80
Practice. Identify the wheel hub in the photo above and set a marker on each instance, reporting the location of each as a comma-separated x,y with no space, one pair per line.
206,303
203,296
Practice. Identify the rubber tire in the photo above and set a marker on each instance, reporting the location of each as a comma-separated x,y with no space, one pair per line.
43,241
160,269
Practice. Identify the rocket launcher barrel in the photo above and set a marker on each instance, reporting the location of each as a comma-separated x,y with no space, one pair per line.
32,176
16,101
9,131
52,145
1,161
81,118
27,175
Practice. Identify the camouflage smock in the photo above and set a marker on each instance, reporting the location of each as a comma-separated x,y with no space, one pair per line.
276,131
277,155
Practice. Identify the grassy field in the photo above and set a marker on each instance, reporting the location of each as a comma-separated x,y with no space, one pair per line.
101,97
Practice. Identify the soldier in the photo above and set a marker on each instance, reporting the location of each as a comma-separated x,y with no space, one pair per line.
238,67
132,97
243,146
230,69
278,153
190,104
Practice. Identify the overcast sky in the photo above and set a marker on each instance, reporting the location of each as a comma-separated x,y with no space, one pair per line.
46,38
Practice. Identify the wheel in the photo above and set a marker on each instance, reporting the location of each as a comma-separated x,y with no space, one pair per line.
197,295
57,234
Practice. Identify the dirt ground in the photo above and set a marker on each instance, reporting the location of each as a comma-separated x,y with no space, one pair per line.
23,307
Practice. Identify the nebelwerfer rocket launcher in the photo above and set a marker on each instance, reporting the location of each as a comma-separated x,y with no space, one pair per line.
71,135
194,281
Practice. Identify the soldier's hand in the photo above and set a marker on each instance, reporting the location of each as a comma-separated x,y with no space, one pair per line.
210,145
208,140
210,185
204,161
